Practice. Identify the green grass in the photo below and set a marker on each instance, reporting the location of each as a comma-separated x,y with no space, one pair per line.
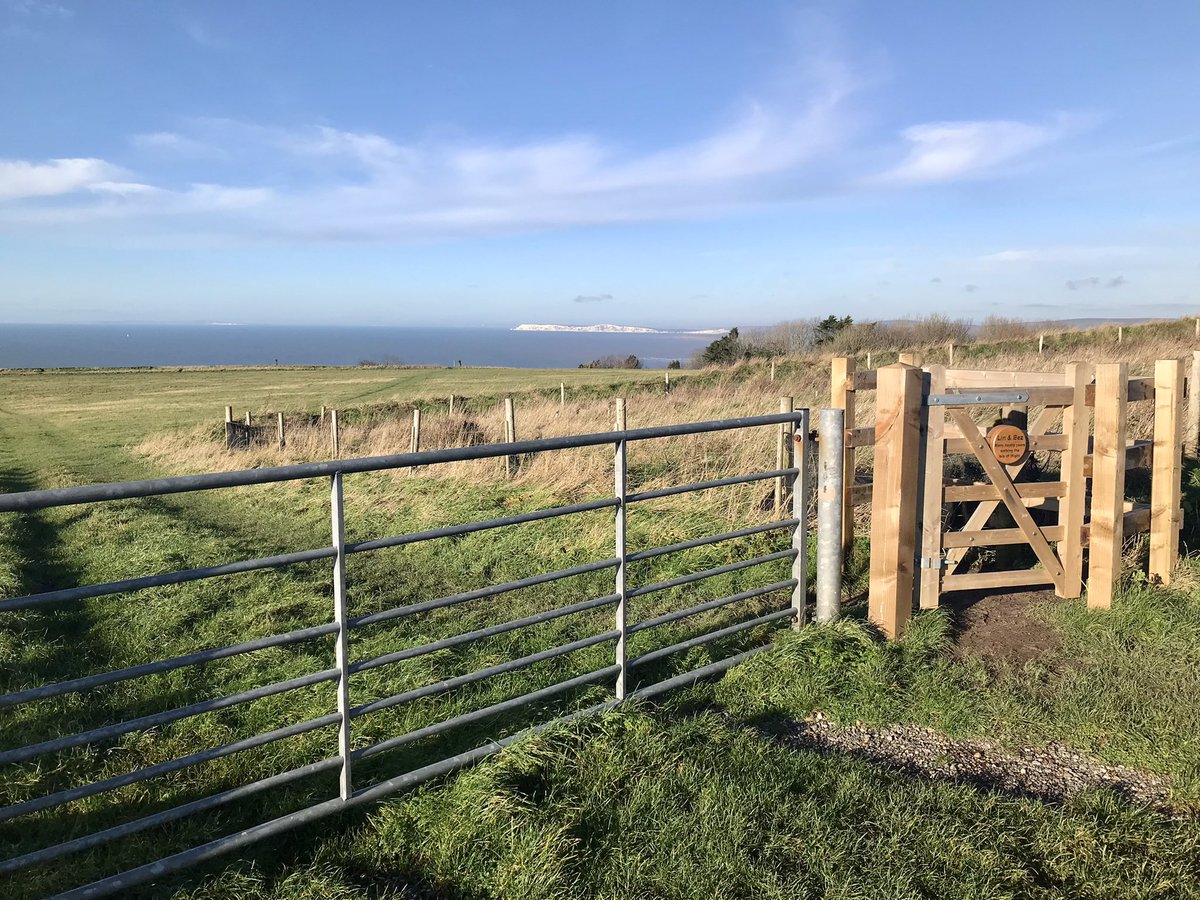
684,798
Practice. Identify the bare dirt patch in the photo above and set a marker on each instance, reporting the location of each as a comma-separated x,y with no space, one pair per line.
1003,627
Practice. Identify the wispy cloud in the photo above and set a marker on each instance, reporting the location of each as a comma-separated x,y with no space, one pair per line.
951,151
20,179
1095,281
592,298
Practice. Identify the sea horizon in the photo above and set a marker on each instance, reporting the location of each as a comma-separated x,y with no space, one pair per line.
134,345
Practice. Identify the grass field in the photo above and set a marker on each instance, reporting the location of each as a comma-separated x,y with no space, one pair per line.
687,797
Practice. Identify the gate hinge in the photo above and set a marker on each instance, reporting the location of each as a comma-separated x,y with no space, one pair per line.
931,562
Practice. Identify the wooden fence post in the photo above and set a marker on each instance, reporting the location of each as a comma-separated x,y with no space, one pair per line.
893,501
773,374
1193,392
666,381
841,396
1107,532
335,437
1120,333
950,353
414,443
281,435
1077,428
912,359
783,454
248,419
932,479
451,405
868,359
1041,343
562,393
229,412
510,435
322,413
1165,488
622,422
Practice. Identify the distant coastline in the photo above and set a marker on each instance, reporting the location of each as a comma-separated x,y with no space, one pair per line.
618,329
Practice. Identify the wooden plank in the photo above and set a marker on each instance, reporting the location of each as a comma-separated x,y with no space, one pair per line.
860,437
985,378
987,491
1135,520
975,581
1106,534
842,385
1138,389
929,586
860,494
956,444
1008,495
994,537
866,380
1138,455
894,504
912,358
1165,487
1077,426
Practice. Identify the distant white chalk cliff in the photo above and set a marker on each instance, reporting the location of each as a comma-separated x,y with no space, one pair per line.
617,329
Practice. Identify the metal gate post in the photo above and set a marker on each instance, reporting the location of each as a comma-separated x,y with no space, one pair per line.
619,489
830,476
800,491
341,636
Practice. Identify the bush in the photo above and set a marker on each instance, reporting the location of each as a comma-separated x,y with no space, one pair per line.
1002,328
613,362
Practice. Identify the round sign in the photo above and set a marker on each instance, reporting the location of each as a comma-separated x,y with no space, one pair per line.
1009,443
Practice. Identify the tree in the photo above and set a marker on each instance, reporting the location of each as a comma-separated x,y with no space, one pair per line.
724,351
830,327
674,364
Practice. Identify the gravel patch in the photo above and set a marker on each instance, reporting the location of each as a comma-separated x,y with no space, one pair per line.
1051,772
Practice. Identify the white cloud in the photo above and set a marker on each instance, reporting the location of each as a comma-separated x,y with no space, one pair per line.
949,151
21,179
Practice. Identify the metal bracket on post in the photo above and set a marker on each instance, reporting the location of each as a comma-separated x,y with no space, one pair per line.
930,562
980,398
341,636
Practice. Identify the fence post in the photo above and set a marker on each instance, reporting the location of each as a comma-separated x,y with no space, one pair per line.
451,404
342,635
1041,343
829,514
333,432
414,443
282,441
950,353
620,461
667,381
1076,426
1193,392
1107,532
248,419
229,414
893,502
229,428
1120,333
801,486
562,393
322,413
912,358
931,480
1165,516
783,454
841,396
622,422
510,435
773,374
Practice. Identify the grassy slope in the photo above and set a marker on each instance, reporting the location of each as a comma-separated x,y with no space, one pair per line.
623,807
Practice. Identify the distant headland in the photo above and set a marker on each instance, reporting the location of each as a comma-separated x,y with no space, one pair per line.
618,329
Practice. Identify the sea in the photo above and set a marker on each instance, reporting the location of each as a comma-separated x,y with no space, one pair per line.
113,345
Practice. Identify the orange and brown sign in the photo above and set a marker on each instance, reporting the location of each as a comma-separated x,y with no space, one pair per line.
1009,443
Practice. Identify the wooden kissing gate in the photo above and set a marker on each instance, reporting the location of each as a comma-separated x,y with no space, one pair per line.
925,416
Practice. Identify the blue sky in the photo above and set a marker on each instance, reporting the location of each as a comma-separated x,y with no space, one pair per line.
661,163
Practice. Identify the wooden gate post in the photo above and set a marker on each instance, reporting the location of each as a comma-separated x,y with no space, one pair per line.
1107,532
1077,427
894,498
1165,487
841,396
